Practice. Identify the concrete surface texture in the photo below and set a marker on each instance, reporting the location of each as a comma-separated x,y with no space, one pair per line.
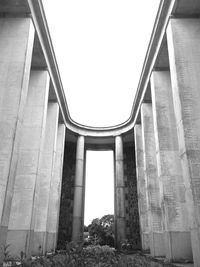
132,218
120,233
16,44
185,63
163,128
43,185
143,202
79,190
156,236
67,196
55,191
173,200
27,166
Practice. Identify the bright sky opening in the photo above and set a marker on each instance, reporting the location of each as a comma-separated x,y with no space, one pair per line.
100,47
99,193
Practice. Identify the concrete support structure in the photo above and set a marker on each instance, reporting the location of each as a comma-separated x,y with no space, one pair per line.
184,57
120,223
176,225
79,190
143,203
30,148
167,140
16,45
45,175
156,236
55,191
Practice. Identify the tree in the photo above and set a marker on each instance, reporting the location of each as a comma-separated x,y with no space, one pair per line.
102,230
85,228
107,221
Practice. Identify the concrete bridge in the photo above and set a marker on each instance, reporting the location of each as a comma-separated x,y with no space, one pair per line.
156,151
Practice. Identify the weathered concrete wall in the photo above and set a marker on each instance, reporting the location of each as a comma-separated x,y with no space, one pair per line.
120,223
55,191
157,247
16,45
67,195
184,58
172,188
131,198
143,203
27,164
79,191
43,185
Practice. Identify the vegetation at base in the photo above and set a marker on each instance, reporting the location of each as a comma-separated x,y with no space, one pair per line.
96,251
101,231
75,255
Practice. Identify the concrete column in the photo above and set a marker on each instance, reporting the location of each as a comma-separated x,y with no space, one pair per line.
177,234
16,45
78,219
184,57
120,223
43,185
55,191
31,142
143,203
157,247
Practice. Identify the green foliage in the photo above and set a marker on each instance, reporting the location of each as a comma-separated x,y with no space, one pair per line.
75,255
5,255
127,245
101,231
100,256
85,228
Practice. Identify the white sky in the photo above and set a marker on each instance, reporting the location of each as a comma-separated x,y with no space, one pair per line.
100,46
99,195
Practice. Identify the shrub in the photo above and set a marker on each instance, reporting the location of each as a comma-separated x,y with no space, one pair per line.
75,255
102,230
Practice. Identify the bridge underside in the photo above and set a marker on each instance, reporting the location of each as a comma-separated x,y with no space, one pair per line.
131,216
156,152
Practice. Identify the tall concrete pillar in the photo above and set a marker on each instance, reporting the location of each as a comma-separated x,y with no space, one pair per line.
30,147
79,189
176,230
42,191
156,236
16,45
55,191
120,223
143,203
184,57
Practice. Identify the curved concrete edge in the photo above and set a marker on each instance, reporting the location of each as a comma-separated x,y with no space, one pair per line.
40,23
